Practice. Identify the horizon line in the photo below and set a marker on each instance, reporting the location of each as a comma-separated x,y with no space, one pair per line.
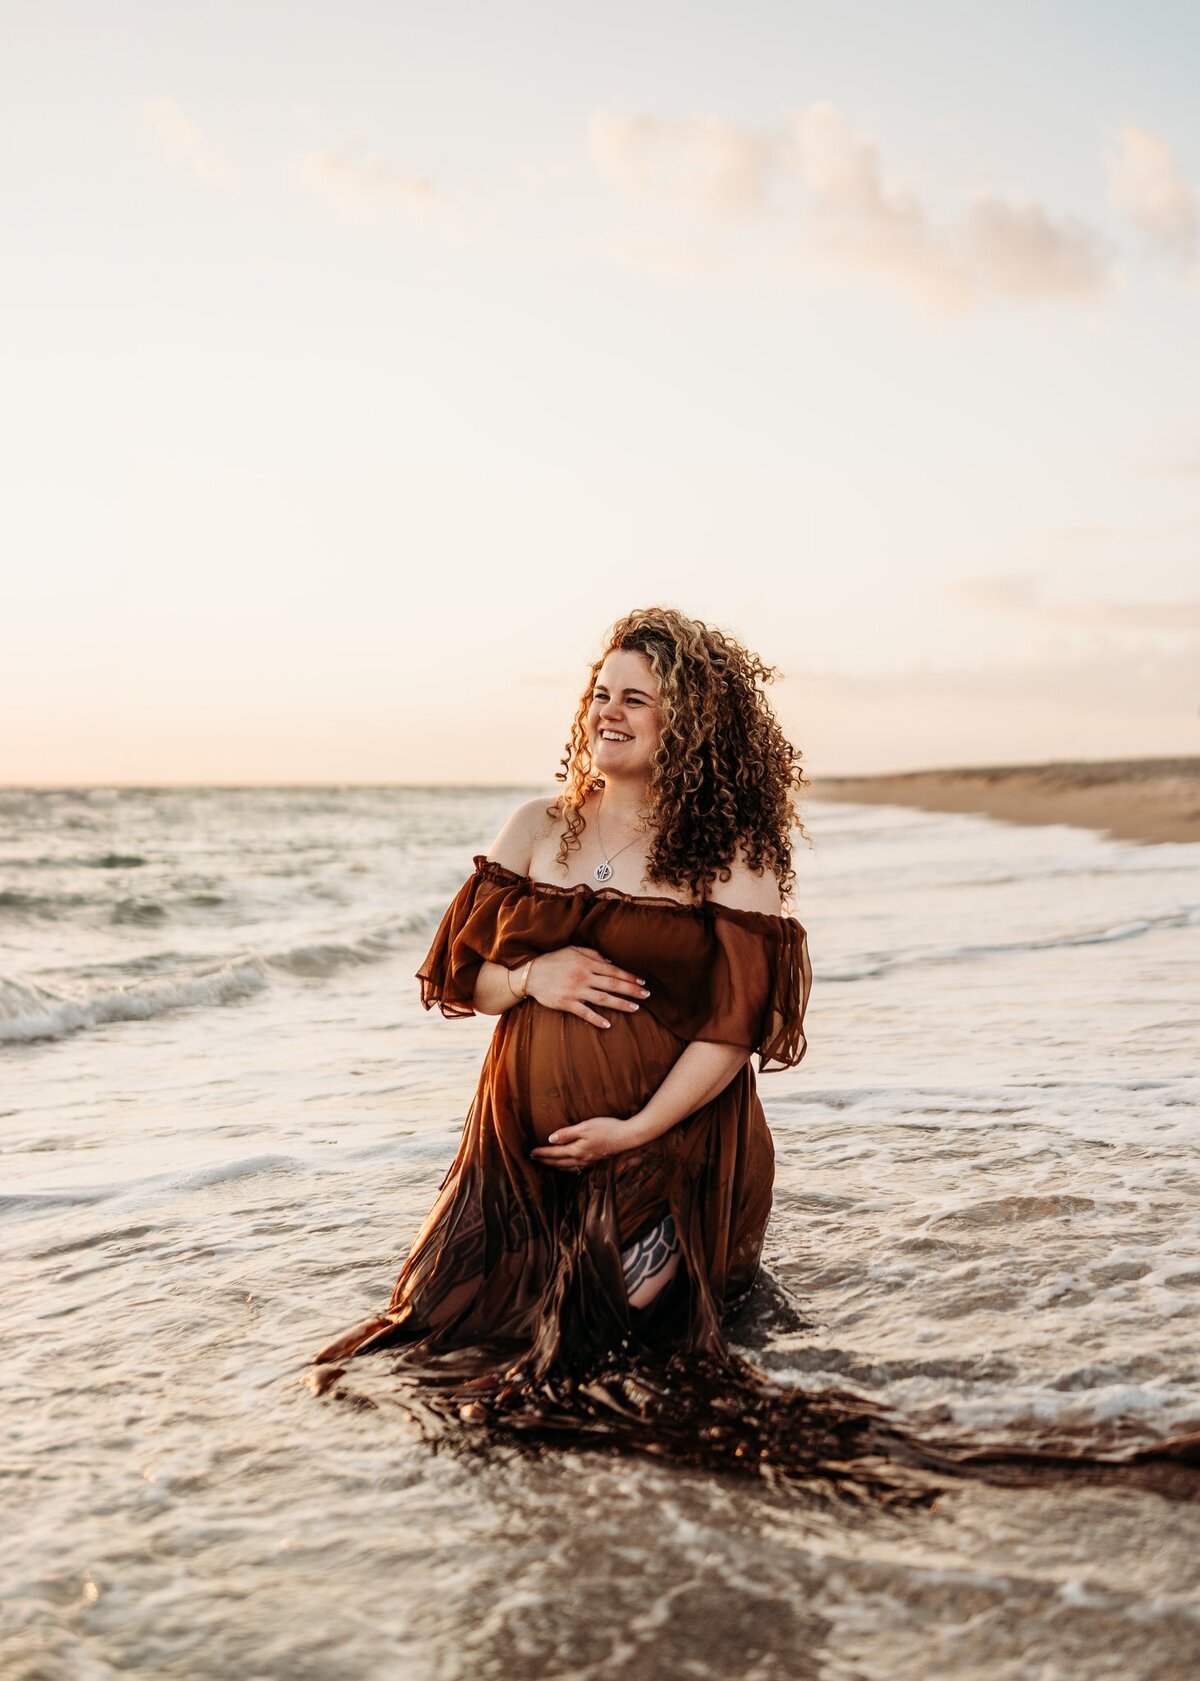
508,783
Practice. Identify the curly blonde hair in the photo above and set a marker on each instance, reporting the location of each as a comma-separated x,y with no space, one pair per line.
724,776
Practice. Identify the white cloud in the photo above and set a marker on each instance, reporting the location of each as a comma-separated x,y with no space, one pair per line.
1147,184
366,187
857,220
184,144
1019,251
703,163
844,212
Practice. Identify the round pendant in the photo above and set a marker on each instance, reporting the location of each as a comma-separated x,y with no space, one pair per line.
603,872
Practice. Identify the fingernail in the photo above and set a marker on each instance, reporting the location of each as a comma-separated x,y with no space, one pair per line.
646,992
635,1006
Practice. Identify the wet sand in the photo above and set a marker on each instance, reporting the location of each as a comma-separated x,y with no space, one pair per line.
1146,800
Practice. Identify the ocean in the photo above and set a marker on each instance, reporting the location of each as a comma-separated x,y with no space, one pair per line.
223,1115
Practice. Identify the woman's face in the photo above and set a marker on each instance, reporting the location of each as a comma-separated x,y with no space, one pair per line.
623,717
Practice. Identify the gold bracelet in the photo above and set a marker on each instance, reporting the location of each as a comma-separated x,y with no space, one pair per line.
524,992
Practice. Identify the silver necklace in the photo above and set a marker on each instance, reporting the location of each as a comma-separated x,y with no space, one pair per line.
604,869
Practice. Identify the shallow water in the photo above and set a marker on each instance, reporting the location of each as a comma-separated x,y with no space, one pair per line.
224,1115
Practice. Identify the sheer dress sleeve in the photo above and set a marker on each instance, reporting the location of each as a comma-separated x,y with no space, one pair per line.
758,988
450,969
494,917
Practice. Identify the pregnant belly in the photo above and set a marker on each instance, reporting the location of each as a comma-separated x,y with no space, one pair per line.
561,1069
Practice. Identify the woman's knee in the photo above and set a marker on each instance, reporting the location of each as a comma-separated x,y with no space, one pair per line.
650,1262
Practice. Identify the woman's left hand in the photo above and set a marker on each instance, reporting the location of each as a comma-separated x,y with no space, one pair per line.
579,1146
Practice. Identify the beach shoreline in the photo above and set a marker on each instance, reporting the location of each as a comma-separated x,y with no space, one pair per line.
1146,800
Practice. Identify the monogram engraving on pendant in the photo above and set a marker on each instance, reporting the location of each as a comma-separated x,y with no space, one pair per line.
603,872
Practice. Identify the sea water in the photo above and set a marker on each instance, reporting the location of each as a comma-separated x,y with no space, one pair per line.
223,1115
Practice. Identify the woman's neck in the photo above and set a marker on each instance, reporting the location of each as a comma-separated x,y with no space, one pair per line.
625,802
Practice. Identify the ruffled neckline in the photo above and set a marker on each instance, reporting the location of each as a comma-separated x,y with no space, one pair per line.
503,876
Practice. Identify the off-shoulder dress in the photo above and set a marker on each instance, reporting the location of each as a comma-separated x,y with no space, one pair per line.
518,1258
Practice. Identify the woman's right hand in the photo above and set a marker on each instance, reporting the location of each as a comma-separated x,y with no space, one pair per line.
575,978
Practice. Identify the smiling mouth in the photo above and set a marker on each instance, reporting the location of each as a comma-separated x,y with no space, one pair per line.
614,735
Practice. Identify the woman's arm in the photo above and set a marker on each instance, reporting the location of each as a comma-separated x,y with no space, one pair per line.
574,979
701,1072
496,988
705,1069
512,847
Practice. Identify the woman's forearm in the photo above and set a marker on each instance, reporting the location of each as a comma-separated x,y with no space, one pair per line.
700,1073
494,992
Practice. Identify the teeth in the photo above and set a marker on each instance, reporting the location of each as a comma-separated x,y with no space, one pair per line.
612,735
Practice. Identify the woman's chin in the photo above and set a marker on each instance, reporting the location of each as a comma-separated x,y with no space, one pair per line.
611,760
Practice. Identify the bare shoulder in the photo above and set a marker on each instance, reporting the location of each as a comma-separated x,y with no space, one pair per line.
519,836
748,890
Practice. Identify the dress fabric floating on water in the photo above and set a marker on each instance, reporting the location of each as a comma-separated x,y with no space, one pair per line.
512,1305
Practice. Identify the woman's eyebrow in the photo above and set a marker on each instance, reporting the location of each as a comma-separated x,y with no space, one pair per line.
641,692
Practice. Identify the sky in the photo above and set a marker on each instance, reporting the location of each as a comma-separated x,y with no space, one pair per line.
364,362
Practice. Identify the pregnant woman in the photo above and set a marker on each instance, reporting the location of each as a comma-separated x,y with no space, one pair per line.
607,1205
615,1172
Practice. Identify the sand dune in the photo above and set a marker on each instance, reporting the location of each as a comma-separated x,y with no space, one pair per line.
1132,799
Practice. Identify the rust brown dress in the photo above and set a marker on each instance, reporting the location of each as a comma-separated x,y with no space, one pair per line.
511,1308
519,1255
